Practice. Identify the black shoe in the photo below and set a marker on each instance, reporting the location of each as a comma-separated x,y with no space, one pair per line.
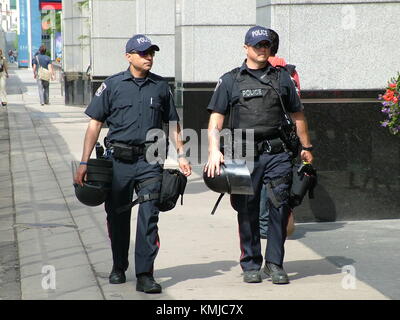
252,276
146,283
277,273
117,276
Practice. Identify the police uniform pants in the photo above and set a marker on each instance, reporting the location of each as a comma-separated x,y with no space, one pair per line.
266,168
125,176
263,212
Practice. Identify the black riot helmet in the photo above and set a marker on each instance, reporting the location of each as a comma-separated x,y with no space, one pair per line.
91,193
234,179
98,183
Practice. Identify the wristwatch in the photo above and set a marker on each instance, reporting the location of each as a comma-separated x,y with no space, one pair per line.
310,148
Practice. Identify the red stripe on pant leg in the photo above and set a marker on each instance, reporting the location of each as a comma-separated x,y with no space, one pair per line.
109,230
240,244
158,241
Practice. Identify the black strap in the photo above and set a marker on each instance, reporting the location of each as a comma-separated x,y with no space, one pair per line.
98,177
272,197
148,197
273,184
217,203
269,83
103,170
143,198
138,200
144,183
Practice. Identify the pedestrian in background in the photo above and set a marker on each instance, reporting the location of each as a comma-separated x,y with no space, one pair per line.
255,93
3,76
132,103
276,61
41,60
11,56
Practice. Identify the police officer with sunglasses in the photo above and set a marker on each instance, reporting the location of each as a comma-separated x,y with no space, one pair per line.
132,103
254,97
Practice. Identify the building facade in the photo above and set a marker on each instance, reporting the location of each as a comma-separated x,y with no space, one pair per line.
345,52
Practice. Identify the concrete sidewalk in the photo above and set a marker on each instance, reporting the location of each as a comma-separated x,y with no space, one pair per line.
199,253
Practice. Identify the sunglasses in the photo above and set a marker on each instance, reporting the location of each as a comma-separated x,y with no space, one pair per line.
262,45
144,53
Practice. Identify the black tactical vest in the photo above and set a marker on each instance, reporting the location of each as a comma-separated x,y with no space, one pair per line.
258,106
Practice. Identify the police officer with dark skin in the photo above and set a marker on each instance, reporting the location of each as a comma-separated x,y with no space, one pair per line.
260,110
133,102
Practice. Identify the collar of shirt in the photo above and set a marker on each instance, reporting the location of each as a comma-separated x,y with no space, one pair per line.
244,67
127,75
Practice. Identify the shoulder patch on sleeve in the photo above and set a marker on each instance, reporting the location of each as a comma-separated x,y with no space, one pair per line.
218,84
101,89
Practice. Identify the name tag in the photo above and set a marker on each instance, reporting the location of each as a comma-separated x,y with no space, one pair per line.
251,93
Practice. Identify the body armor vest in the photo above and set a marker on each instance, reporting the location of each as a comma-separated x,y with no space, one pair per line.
258,106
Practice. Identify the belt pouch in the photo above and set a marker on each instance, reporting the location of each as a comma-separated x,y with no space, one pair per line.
123,152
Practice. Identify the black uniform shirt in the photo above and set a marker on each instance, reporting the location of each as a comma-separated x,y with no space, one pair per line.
226,91
131,107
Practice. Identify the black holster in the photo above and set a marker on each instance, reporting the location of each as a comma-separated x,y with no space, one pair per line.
291,140
270,146
126,152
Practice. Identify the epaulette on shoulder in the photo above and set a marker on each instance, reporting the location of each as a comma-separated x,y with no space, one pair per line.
115,75
234,72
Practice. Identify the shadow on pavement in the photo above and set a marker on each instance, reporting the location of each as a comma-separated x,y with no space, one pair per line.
17,86
194,271
302,229
311,268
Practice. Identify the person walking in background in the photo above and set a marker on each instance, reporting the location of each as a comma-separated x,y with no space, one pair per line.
10,56
276,61
3,76
41,60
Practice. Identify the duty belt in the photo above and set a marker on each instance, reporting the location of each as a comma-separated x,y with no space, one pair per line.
123,151
270,146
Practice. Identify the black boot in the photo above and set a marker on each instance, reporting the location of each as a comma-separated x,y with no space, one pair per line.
146,283
277,273
117,276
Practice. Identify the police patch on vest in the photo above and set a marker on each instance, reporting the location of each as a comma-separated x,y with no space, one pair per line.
251,93
101,89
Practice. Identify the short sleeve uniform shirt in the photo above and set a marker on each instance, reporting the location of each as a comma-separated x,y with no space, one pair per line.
131,106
